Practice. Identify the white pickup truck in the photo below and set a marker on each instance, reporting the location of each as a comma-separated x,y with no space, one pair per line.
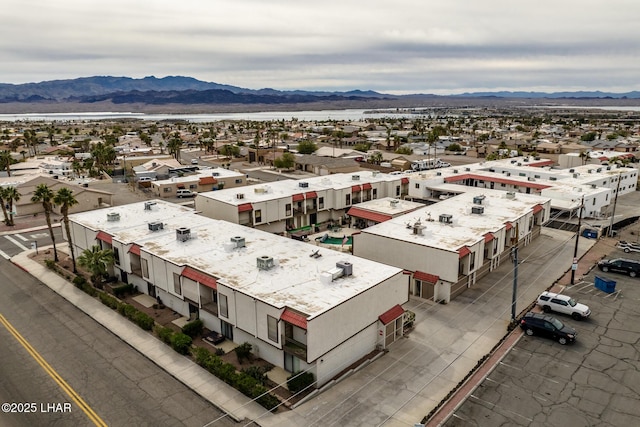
628,247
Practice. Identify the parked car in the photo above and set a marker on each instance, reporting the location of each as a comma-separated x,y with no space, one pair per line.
620,265
185,193
194,161
628,247
550,301
547,326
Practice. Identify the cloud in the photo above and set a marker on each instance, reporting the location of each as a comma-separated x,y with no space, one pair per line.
397,47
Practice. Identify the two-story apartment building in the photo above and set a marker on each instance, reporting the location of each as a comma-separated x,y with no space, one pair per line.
300,307
205,180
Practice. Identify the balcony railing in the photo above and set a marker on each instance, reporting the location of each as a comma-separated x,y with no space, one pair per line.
210,307
296,348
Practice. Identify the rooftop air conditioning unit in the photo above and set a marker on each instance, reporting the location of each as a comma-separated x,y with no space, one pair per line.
303,184
264,262
608,168
599,170
510,195
519,164
553,178
393,203
438,173
572,170
238,241
455,171
467,169
240,196
508,174
445,218
593,186
149,205
347,267
531,178
183,234
477,200
259,190
156,225
113,216
355,177
575,175
477,210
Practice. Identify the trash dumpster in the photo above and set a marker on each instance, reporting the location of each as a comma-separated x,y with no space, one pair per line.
590,234
608,286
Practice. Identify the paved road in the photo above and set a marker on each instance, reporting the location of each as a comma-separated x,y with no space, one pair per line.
12,244
119,384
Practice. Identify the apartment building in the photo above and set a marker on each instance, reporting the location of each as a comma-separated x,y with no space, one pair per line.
205,180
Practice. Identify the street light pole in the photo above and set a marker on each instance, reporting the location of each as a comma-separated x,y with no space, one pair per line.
575,250
615,201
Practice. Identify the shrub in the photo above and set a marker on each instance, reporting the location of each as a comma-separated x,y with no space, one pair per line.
181,343
300,381
88,289
256,372
219,351
51,264
200,355
108,300
243,351
193,329
121,290
79,281
165,334
145,321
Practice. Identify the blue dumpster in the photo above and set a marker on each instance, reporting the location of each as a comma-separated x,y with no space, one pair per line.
608,286
590,234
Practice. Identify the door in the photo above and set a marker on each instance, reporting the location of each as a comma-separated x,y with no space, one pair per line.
193,312
151,290
123,277
226,330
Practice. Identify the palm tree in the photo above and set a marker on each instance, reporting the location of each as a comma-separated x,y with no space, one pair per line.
5,161
96,260
64,198
44,195
9,195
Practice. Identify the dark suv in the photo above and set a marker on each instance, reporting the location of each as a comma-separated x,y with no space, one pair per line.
547,326
620,265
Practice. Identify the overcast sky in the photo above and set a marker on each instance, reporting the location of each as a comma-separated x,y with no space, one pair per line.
391,46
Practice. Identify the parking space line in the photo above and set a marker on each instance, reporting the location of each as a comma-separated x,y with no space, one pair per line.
494,406
4,255
21,237
15,242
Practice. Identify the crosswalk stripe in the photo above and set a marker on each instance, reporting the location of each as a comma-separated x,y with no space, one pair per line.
15,242
21,237
3,255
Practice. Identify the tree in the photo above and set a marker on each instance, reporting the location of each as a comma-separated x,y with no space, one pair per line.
8,196
96,260
229,150
65,199
375,158
286,161
44,195
174,145
6,160
307,147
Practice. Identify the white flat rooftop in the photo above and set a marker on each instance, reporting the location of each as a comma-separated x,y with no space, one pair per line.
297,280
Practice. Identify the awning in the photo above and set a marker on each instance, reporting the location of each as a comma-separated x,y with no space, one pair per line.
356,188
298,197
488,237
294,318
371,216
245,207
366,186
508,226
207,180
404,180
311,195
392,314
426,277
537,208
464,251
516,182
135,249
107,238
199,277
180,186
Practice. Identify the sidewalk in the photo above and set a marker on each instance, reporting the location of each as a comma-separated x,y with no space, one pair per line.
238,406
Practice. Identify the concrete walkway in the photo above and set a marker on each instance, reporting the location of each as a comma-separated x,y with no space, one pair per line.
238,406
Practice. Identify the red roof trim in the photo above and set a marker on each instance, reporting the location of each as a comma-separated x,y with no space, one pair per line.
366,186
537,208
542,163
199,277
372,216
488,237
426,277
105,237
404,180
392,314
508,226
207,180
294,318
464,251
135,249
245,207
298,197
311,195
356,188
525,184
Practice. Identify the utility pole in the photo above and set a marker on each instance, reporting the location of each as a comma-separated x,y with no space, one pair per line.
615,201
575,250
514,254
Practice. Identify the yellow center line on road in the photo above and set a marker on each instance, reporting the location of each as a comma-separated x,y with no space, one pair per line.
53,374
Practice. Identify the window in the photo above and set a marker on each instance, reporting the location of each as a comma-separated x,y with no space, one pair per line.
116,256
594,200
177,286
320,202
417,185
145,267
224,309
347,200
167,189
272,324
375,193
472,261
287,209
239,181
397,190
291,363
193,186
257,215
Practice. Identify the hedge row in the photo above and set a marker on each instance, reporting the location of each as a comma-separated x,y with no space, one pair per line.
244,382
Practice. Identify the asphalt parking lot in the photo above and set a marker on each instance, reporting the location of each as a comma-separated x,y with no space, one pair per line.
595,381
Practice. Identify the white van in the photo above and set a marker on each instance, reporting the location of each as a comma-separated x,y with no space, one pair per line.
185,193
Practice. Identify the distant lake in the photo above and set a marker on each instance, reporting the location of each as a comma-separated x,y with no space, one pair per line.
321,115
